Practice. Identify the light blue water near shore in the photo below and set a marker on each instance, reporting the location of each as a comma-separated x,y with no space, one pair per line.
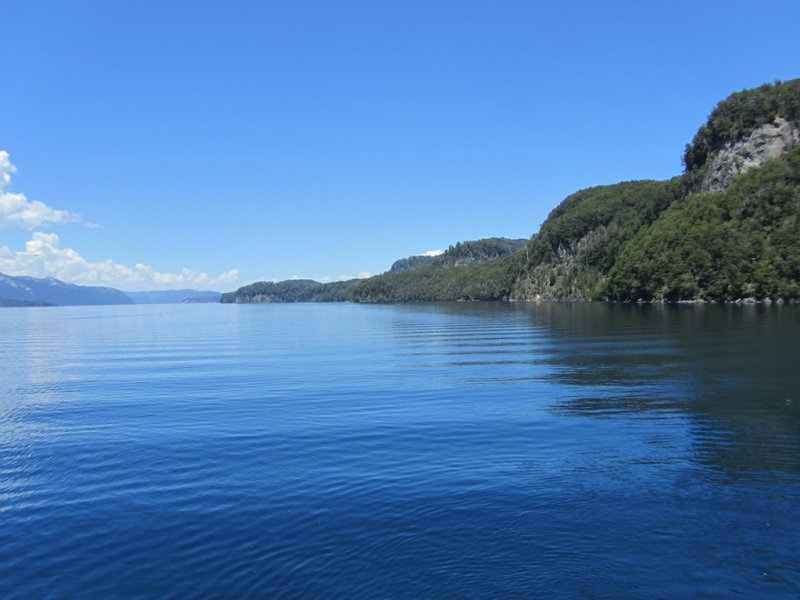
470,450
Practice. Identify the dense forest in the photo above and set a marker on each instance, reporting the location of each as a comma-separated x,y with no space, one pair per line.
474,270
738,115
486,280
740,243
578,244
293,290
636,241
463,253
670,241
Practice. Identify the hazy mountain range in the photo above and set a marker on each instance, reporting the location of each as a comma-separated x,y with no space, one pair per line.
48,291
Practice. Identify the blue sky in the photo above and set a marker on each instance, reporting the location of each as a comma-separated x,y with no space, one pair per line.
217,143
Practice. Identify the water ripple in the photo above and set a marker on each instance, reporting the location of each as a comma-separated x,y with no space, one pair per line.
463,450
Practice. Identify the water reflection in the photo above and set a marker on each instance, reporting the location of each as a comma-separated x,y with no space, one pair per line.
733,369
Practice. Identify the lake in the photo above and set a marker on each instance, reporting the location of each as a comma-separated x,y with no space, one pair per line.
453,450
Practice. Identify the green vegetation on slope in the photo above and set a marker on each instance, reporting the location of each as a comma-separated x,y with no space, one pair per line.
636,240
463,253
656,240
740,243
739,114
579,242
474,270
417,261
489,280
294,290
477,251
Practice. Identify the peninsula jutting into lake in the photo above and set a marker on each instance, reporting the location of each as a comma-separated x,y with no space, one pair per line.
726,230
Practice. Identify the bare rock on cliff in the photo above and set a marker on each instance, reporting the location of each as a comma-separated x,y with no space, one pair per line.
766,142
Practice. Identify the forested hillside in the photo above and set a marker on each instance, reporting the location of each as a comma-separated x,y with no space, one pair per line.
725,230
293,290
488,280
473,270
740,243
463,253
578,244
736,117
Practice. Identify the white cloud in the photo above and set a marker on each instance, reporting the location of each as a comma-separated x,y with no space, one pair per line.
432,253
43,256
16,209
329,278
261,279
6,169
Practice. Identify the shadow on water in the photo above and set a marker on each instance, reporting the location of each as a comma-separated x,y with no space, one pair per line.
732,369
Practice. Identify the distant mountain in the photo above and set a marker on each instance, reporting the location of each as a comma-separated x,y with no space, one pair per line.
6,303
292,290
417,261
174,296
37,291
726,230
474,270
463,253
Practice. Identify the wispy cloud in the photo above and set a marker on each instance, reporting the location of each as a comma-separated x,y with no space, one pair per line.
432,253
43,256
330,279
6,169
17,210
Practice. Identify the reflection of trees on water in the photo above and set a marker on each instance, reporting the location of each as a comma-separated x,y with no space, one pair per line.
732,369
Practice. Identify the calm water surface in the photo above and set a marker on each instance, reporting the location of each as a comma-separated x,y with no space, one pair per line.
558,450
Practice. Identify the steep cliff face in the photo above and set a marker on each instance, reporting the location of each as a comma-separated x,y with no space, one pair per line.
766,142
568,274
576,247
740,244
601,243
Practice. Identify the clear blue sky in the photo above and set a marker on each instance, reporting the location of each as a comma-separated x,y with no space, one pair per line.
321,139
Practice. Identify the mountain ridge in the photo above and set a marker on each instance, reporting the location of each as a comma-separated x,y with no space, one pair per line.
748,135
50,290
23,290
609,242
725,230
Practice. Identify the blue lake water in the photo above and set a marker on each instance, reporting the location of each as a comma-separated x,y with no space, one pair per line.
466,450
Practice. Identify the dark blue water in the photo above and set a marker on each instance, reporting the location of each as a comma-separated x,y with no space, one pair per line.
559,451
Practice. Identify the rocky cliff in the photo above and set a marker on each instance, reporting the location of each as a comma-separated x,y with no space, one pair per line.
766,142
608,242
571,256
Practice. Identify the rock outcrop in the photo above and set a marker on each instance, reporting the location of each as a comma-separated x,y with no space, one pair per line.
766,142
